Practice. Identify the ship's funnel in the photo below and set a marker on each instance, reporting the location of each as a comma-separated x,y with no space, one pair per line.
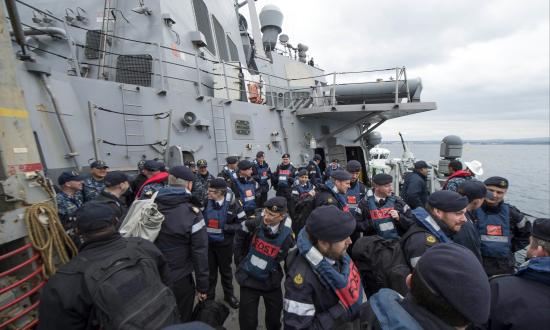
271,20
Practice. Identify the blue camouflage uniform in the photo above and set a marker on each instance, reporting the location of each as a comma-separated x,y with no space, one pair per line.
92,188
67,206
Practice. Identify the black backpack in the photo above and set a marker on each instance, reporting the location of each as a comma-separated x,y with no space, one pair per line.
211,312
301,212
127,290
381,264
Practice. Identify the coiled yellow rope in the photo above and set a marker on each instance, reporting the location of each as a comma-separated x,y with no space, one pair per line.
48,236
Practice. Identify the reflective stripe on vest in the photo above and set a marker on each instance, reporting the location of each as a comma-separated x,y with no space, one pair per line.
381,218
215,220
283,177
262,255
247,191
494,230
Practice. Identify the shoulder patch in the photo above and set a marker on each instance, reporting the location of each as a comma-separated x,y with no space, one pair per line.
330,200
430,239
298,279
195,209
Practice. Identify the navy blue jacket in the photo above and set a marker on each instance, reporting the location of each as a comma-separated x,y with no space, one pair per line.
183,238
415,190
522,301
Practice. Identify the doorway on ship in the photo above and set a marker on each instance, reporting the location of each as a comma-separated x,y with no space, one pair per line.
323,164
357,154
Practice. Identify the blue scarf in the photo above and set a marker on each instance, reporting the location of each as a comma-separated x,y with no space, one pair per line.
536,269
327,273
341,198
425,220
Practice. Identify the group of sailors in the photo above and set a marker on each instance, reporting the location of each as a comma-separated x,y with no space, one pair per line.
452,241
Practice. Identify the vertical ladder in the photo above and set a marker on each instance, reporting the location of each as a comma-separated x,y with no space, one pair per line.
107,30
134,127
220,135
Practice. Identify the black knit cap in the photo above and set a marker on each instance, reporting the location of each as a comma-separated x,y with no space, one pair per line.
447,201
541,229
182,172
317,157
260,154
474,189
114,178
382,179
330,224
217,183
95,215
455,274
340,175
245,164
231,160
276,204
497,181
302,172
353,166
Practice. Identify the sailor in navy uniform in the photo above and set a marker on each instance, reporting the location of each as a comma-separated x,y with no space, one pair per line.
357,189
229,171
223,216
333,166
522,300
69,200
302,187
261,173
314,171
94,184
502,227
381,212
260,246
333,192
204,176
283,178
323,288
443,217
246,189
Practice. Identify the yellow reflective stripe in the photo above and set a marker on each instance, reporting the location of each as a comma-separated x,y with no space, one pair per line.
17,113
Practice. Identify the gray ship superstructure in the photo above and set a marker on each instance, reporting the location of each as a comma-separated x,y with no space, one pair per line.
123,81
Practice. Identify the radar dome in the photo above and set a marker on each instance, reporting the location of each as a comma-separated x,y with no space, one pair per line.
271,20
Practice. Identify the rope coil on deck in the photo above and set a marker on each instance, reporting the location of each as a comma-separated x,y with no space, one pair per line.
49,238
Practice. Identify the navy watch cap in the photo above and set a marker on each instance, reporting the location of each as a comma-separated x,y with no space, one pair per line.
447,201
497,181
421,164
231,160
276,204
245,164
541,229
455,274
217,183
330,224
340,175
69,176
382,179
353,166
182,172
302,172
95,215
152,165
474,189
114,178
317,157
260,154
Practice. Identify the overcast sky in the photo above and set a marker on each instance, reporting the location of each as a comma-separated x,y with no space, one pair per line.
485,63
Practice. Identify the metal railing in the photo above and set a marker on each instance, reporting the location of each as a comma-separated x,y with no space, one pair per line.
318,95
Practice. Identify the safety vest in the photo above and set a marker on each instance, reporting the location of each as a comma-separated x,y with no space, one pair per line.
261,259
351,296
425,220
353,196
215,218
341,198
302,190
284,176
381,218
247,191
494,229
263,172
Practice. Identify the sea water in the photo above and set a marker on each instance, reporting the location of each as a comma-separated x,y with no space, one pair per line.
527,167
